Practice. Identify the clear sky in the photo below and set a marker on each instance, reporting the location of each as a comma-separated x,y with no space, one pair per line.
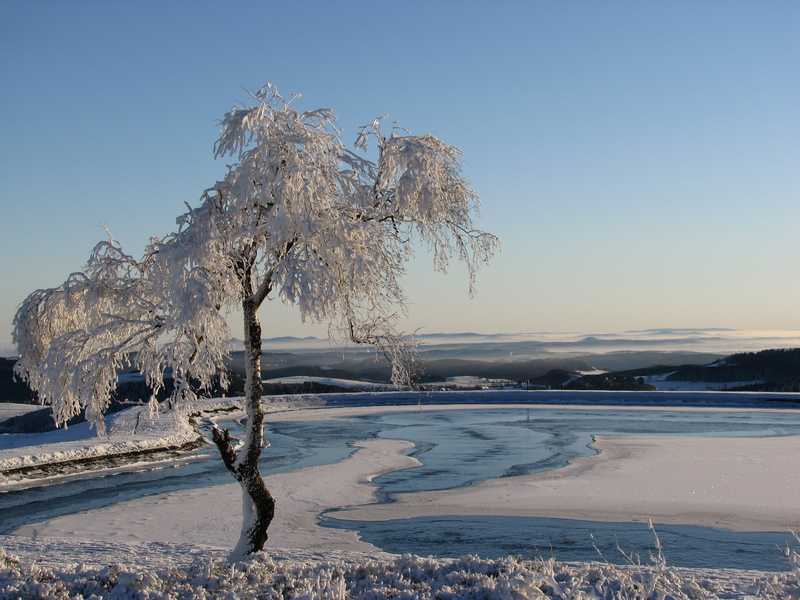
639,160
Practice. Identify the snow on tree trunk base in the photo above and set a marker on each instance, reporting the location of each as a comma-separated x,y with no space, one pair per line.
258,509
258,505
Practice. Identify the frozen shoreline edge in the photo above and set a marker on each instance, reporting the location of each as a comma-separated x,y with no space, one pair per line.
61,551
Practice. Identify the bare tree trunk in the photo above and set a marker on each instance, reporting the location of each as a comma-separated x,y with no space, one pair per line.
258,505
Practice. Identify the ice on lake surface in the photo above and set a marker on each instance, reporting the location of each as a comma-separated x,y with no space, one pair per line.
460,448
464,447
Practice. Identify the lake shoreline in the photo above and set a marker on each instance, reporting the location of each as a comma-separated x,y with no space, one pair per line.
698,481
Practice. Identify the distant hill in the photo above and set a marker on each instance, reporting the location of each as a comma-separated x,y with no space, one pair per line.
608,382
10,390
773,370
767,370
440,364
641,359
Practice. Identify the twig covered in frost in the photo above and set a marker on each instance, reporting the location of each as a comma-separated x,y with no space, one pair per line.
297,217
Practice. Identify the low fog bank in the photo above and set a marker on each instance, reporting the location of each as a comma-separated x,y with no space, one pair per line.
644,360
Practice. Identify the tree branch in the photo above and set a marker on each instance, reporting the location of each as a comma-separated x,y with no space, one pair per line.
222,438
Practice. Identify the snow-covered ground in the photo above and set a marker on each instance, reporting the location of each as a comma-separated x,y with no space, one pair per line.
132,430
333,381
188,571
12,409
660,382
174,545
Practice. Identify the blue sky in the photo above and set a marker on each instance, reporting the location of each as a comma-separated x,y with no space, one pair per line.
639,160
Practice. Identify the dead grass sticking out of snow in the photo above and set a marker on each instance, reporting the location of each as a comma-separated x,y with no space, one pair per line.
343,576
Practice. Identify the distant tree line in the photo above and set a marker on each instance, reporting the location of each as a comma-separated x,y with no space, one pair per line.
767,365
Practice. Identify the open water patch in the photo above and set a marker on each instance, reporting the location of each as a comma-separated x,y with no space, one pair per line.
575,541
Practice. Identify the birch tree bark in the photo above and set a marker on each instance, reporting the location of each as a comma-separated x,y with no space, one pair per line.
258,505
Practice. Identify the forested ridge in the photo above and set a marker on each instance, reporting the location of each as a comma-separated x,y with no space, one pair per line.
774,370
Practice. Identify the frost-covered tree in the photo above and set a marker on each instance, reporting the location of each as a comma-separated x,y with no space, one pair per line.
298,217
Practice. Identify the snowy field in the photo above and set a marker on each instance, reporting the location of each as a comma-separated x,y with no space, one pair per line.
175,544
12,409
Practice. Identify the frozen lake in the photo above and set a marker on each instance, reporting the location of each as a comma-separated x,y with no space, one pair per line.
463,447
458,448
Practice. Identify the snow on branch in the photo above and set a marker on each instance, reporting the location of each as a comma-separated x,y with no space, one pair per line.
297,217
